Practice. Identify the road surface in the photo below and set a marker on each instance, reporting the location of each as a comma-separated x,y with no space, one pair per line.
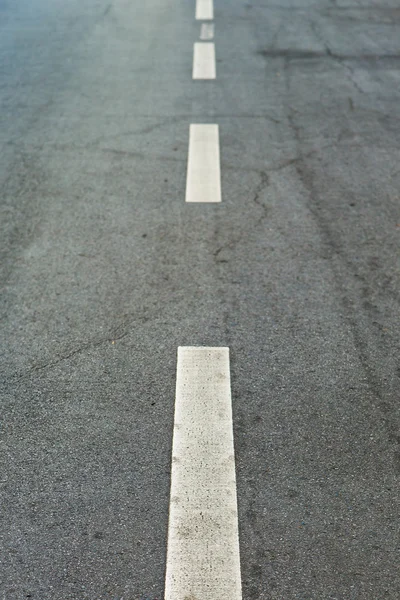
106,270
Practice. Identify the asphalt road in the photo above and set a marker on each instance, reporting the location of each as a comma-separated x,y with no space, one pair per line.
105,271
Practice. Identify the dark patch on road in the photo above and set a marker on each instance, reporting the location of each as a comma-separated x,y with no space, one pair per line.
290,54
107,10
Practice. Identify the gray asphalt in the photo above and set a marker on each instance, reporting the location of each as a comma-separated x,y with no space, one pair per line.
106,270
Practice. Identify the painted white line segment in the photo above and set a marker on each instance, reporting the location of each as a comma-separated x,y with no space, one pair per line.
204,60
204,10
207,31
203,181
203,560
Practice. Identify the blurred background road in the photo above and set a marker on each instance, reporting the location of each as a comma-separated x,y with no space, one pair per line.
105,271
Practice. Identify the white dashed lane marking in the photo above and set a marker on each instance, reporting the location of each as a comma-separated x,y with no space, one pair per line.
207,31
204,60
203,541
203,182
204,10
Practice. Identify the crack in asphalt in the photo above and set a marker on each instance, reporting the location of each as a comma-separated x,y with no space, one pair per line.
263,184
121,331
264,179
298,54
306,176
142,155
107,10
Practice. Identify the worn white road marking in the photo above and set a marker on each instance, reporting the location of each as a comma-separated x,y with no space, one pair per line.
204,60
203,560
207,31
203,181
204,10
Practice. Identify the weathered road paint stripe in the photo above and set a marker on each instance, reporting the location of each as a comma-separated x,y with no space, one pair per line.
207,31
204,10
203,541
204,60
203,181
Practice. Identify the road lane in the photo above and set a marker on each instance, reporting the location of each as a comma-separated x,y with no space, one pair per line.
207,31
203,540
204,10
204,60
203,181
107,271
